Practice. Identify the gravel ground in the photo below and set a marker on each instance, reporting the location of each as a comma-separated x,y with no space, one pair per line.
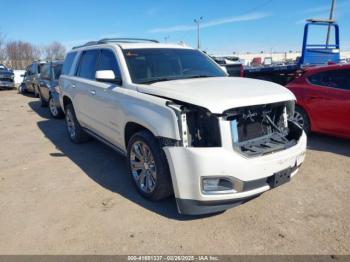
61,198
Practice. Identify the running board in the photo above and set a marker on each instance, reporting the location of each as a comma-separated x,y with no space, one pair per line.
104,141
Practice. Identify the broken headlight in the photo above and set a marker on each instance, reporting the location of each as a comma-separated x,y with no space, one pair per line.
197,126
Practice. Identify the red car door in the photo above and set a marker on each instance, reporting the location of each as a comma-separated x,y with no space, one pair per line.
328,99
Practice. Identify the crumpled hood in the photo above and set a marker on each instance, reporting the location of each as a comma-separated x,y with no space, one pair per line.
218,94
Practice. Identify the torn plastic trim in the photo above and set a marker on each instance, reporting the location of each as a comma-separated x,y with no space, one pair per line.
198,127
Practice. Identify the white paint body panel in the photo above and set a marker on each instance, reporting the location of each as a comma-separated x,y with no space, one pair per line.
218,94
107,111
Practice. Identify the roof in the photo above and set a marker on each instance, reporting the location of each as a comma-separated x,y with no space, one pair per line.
131,43
326,67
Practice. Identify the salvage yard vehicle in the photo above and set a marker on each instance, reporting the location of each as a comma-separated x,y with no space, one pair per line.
31,78
323,99
48,87
185,127
6,78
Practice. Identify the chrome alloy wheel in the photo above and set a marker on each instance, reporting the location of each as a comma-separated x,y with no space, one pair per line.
299,119
53,108
143,167
70,124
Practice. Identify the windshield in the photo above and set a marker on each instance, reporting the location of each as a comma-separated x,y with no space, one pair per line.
152,65
56,71
2,67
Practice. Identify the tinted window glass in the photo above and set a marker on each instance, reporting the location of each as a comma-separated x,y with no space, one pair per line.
107,61
45,72
68,63
335,79
33,69
56,70
40,66
87,64
152,65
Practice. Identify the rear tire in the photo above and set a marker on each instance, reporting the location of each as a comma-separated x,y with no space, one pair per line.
43,103
148,166
22,89
302,119
75,132
36,93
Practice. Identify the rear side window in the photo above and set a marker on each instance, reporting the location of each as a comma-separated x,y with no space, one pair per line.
68,63
56,71
107,61
45,72
87,64
336,79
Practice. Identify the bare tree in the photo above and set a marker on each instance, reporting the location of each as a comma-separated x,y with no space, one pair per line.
2,49
20,54
54,51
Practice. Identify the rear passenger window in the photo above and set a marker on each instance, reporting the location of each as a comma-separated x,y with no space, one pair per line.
68,61
45,72
336,79
87,64
107,61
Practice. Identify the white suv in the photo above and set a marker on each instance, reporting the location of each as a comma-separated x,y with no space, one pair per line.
185,127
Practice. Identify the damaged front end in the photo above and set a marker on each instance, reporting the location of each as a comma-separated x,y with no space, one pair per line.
263,129
255,130
198,127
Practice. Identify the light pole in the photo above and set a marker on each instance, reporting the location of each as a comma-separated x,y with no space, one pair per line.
198,21
331,16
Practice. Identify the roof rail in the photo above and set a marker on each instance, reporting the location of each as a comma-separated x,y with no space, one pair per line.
86,44
116,40
126,40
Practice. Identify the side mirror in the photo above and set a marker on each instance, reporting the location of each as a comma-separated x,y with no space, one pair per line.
107,76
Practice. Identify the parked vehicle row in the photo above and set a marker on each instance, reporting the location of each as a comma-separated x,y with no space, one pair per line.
41,78
186,128
6,78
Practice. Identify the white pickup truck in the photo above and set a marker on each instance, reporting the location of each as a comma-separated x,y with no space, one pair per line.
186,128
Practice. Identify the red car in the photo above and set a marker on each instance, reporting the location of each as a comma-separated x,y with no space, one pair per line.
323,99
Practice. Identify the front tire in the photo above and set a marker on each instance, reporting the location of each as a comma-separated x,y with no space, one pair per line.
55,111
302,119
75,132
148,166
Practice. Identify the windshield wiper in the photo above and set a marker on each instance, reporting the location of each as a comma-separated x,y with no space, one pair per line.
151,81
163,79
197,76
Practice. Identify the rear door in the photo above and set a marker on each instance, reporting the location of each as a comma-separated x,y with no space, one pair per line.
84,101
45,79
328,100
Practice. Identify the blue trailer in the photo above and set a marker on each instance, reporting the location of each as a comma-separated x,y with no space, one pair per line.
311,55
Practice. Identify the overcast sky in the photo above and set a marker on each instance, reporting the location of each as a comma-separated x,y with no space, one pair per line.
228,25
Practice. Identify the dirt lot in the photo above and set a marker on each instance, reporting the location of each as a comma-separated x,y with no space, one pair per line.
61,198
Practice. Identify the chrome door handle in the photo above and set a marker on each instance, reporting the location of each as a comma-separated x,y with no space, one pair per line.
92,92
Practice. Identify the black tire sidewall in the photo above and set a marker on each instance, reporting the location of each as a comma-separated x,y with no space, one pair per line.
163,188
306,120
59,111
80,135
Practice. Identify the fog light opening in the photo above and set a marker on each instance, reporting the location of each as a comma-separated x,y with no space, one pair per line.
217,185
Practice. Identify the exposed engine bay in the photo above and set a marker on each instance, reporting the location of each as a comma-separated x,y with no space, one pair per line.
263,129
255,130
